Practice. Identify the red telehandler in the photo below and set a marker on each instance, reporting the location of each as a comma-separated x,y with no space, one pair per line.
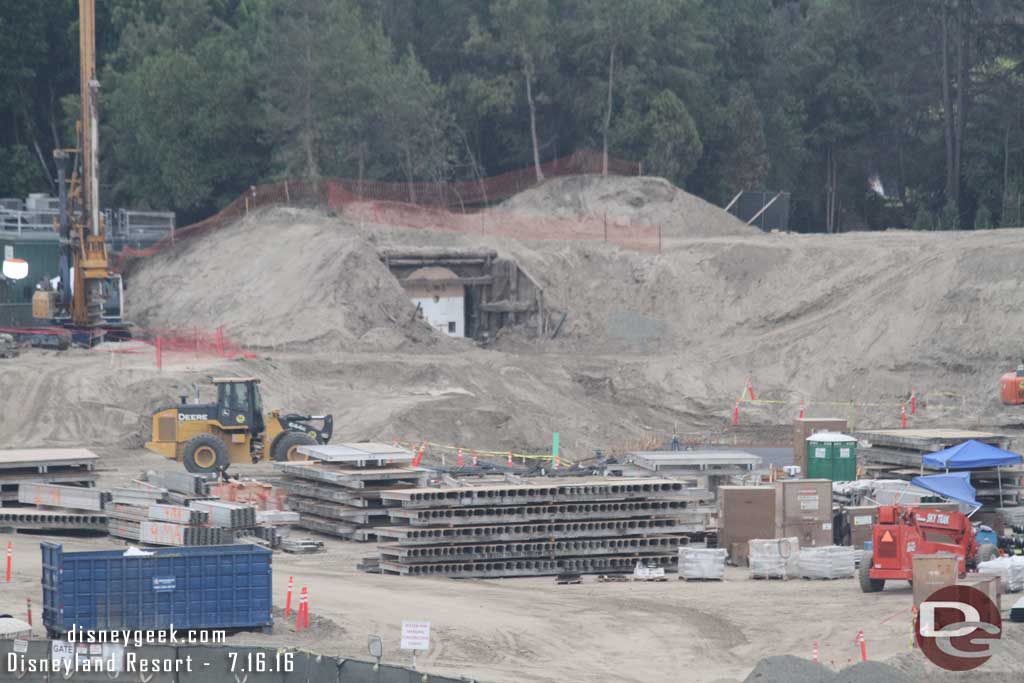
902,532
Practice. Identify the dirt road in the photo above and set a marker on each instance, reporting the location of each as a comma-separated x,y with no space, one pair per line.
518,630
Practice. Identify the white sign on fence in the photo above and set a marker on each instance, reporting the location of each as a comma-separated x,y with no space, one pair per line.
415,635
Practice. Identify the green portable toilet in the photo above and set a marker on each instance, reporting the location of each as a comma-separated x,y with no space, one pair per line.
831,455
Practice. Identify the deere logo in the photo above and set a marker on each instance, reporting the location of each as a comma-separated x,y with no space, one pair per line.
240,418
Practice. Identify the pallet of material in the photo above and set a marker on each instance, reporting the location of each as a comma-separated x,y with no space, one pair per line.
51,520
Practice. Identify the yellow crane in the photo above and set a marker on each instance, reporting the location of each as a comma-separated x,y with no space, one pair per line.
84,268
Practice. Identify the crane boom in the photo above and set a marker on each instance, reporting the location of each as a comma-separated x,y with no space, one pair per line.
89,248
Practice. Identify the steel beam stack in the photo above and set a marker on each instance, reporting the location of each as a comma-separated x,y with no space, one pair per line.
72,466
543,527
55,495
338,492
182,487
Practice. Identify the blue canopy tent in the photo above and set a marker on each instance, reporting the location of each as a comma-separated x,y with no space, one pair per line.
971,455
955,485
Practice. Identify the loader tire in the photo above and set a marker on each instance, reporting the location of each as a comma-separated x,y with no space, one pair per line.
867,584
284,449
205,453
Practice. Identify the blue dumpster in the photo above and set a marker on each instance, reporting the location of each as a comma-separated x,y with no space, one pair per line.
196,587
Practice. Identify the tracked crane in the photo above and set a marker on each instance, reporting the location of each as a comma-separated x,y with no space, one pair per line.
84,271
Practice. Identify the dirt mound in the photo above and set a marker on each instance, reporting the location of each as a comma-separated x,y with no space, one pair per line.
641,200
276,279
788,669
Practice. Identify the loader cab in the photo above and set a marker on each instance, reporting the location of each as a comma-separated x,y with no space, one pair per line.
239,404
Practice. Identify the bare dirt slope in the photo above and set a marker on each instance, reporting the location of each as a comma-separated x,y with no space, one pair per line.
651,342
642,200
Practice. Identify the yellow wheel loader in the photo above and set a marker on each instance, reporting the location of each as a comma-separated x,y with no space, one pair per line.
207,437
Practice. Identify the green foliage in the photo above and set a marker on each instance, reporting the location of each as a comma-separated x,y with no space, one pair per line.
923,219
983,219
675,146
202,98
20,172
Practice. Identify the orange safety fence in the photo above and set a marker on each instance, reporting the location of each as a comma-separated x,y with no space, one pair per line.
427,205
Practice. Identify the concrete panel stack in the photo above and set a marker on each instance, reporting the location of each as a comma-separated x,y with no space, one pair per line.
338,491
898,453
707,468
542,527
69,466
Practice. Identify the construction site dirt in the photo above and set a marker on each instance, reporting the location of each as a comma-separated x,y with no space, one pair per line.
638,345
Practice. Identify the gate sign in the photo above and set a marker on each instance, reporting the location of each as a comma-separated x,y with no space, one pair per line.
415,635
163,584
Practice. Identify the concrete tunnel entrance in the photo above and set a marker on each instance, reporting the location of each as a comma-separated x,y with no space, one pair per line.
468,292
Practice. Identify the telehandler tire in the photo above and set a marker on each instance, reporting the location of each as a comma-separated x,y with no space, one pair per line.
285,448
205,453
867,584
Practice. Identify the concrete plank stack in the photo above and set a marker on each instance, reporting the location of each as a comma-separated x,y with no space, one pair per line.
898,453
707,468
542,527
338,491
70,466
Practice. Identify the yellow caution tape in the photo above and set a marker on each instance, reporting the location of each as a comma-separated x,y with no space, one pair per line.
415,446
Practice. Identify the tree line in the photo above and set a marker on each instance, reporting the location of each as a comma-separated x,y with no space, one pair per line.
871,113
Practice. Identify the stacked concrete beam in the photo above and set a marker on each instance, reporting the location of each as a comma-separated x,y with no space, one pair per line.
546,526
42,494
338,491
68,466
